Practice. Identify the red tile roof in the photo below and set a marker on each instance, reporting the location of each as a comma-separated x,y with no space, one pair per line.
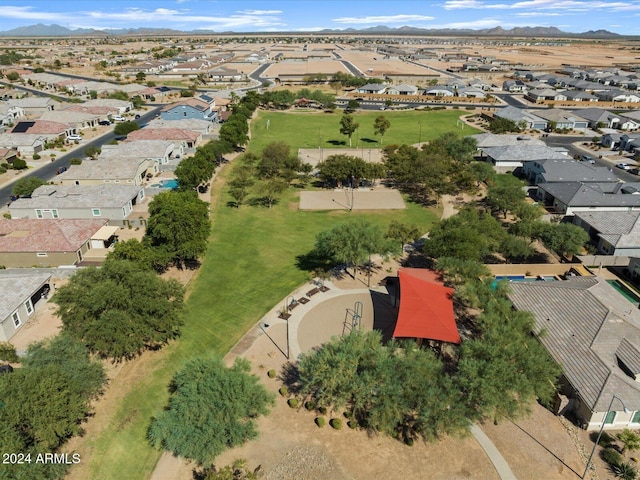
22,235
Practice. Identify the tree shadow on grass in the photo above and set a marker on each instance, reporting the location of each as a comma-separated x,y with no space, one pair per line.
312,261
262,202
337,142
368,140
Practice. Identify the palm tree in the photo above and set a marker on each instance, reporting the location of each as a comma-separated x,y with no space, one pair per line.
630,440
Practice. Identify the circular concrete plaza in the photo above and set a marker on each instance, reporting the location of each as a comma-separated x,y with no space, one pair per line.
334,317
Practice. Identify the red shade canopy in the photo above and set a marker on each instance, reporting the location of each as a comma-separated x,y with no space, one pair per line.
426,308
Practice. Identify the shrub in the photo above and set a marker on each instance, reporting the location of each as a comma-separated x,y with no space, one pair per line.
36,156
7,216
322,410
8,352
293,402
284,391
310,405
352,424
408,442
335,423
75,161
611,456
320,421
625,471
272,373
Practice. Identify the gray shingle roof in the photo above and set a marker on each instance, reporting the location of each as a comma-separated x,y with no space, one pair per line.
578,194
522,153
585,321
620,229
629,355
558,170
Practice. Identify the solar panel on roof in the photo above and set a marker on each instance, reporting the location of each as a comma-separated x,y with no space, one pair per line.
22,127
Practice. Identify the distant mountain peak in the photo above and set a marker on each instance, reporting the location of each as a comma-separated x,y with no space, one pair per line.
53,30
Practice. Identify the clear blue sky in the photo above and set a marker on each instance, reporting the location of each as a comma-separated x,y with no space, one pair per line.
300,15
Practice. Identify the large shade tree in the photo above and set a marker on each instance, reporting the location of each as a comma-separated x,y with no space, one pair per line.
351,243
212,408
120,309
178,226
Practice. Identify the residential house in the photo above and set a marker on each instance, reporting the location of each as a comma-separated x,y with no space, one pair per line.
579,96
113,202
565,170
611,140
471,92
373,88
498,140
8,155
9,114
522,117
116,106
402,90
202,127
24,143
19,295
186,138
34,106
563,119
440,91
592,331
225,74
158,151
567,198
613,233
514,86
26,243
512,157
188,108
49,130
599,118
116,170
617,95
541,95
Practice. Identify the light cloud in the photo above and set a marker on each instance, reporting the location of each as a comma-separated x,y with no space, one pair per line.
260,12
566,5
537,14
383,19
28,13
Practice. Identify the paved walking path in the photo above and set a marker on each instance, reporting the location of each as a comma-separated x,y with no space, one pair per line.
492,452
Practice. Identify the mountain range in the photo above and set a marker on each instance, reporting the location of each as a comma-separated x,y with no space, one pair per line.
54,30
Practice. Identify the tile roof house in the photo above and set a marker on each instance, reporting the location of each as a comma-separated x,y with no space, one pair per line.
189,108
35,105
498,140
568,198
203,127
593,332
521,116
542,94
511,157
116,170
563,119
113,202
186,138
402,90
9,114
45,243
159,151
375,88
579,96
599,117
24,143
19,295
613,233
565,170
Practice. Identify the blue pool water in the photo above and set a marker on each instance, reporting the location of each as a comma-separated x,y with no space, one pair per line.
521,278
171,183
626,292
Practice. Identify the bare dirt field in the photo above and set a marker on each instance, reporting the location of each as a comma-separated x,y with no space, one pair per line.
375,64
380,198
304,68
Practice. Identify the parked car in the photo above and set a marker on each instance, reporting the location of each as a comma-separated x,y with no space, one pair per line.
623,166
104,122
118,118
635,171
588,159
74,138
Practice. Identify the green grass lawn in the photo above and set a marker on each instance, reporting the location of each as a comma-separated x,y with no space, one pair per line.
250,266
311,129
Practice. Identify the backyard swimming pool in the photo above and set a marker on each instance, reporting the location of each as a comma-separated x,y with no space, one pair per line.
624,291
171,183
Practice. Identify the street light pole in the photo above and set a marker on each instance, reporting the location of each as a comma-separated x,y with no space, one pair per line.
593,451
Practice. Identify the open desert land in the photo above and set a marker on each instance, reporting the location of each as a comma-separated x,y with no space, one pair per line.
302,68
